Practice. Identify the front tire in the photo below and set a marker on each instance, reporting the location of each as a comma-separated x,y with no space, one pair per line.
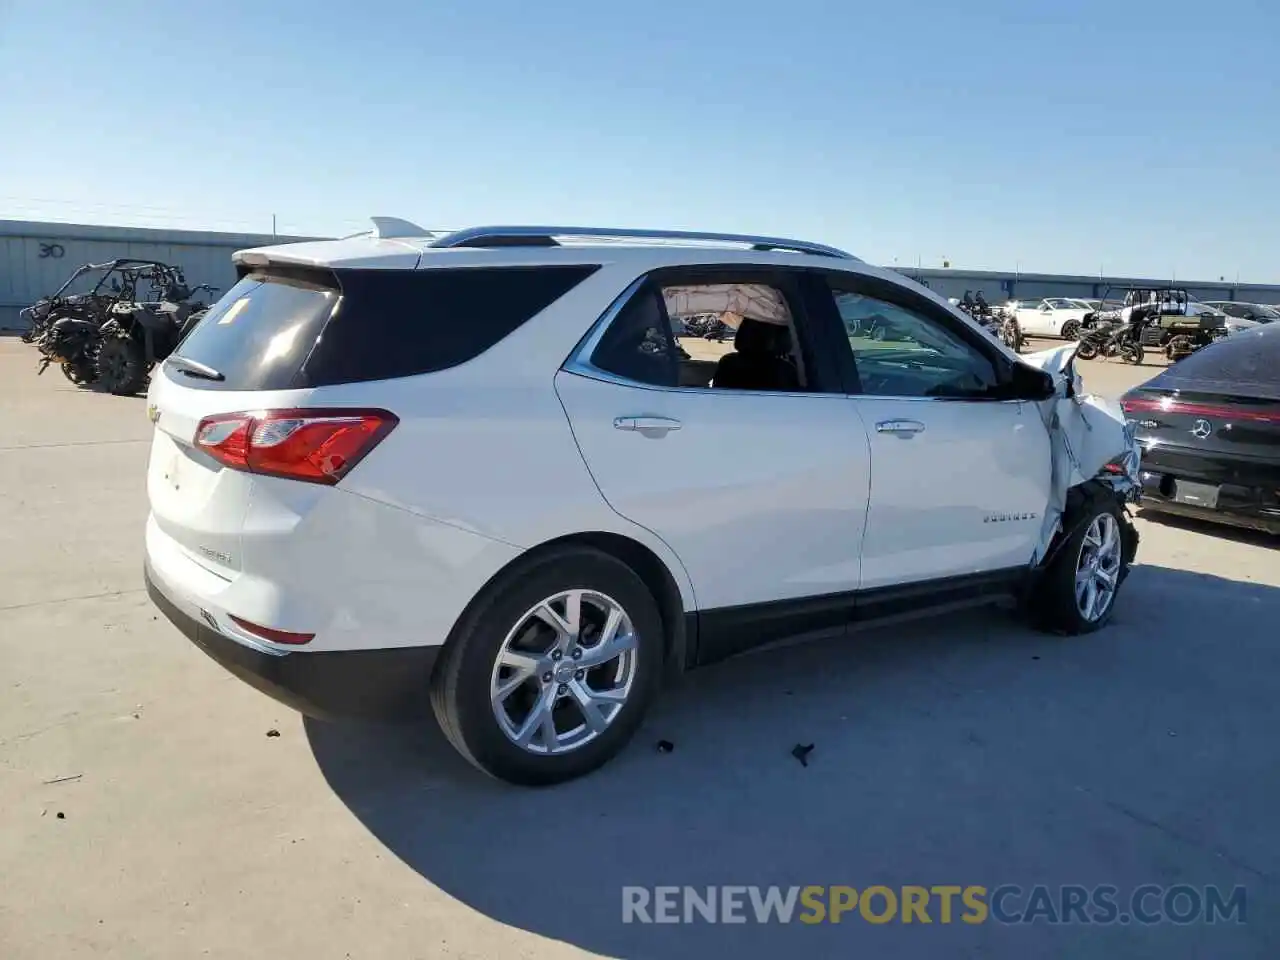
122,366
1077,590
550,672
1087,350
1071,330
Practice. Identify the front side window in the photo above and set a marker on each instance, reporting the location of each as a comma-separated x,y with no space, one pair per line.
899,351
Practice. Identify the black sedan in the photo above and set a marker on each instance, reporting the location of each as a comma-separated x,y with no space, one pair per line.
1209,426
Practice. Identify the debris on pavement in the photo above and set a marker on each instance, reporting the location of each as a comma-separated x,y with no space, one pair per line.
273,732
74,776
665,746
801,752
61,815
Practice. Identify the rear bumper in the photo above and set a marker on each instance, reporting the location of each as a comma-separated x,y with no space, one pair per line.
382,684
1248,490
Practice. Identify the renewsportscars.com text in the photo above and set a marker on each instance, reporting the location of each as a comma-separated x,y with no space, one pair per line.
939,903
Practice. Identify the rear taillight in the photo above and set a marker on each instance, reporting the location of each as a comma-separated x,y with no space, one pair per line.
1220,411
318,446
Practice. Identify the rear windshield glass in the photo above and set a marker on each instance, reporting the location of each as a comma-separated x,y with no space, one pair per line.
277,331
1251,356
260,333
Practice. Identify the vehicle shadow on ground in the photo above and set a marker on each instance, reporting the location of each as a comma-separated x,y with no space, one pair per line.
964,751
1257,538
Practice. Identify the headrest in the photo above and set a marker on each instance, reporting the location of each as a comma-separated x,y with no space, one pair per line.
759,337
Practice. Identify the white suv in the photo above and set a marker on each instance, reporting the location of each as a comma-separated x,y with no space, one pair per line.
492,467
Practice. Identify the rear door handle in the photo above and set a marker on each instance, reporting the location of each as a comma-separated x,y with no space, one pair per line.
902,428
646,424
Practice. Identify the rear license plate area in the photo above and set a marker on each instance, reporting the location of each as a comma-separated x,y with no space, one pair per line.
1196,494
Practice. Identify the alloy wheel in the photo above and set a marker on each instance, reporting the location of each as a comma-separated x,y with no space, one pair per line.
1098,567
564,672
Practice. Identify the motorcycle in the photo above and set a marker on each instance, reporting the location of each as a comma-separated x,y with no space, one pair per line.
1010,332
707,326
1002,325
72,343
1114,339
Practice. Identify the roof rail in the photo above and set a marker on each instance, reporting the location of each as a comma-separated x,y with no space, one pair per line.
547,237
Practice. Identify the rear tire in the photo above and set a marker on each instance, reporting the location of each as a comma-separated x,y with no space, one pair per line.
122,366
500,640
1132,353
1076,592
1087,350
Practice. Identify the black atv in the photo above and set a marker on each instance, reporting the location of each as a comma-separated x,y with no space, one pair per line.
68,327
138,335
65,326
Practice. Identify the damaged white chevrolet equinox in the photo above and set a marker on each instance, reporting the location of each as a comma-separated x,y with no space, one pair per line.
525,474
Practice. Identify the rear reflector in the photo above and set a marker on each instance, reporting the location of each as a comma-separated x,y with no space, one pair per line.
317,446
275,636
1222,412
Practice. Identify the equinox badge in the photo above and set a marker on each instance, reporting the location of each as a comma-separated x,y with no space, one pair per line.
1007,517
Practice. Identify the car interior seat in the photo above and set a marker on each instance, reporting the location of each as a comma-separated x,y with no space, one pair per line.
761,359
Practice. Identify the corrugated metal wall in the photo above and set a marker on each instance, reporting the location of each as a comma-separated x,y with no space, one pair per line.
36,258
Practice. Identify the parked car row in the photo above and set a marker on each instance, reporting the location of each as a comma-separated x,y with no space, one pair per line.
1066,317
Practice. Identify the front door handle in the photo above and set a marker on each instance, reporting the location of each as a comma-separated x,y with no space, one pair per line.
902,428
650,425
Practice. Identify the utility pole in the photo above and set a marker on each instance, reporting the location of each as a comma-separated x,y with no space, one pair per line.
273,225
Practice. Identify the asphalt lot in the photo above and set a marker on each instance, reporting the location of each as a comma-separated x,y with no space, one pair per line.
964,751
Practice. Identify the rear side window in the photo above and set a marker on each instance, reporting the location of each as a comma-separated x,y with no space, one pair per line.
277,331
637,345
1251,356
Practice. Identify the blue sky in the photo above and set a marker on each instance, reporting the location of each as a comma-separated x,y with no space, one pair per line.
1127,136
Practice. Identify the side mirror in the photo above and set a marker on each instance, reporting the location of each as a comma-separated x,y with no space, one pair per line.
1030,383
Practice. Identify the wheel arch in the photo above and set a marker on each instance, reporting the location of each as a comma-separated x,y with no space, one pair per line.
679,620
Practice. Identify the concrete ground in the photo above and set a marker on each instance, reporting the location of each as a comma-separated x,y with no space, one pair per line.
147,810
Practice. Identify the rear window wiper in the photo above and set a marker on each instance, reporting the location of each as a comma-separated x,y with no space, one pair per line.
193,369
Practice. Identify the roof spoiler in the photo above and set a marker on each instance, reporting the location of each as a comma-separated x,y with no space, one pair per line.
393,228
